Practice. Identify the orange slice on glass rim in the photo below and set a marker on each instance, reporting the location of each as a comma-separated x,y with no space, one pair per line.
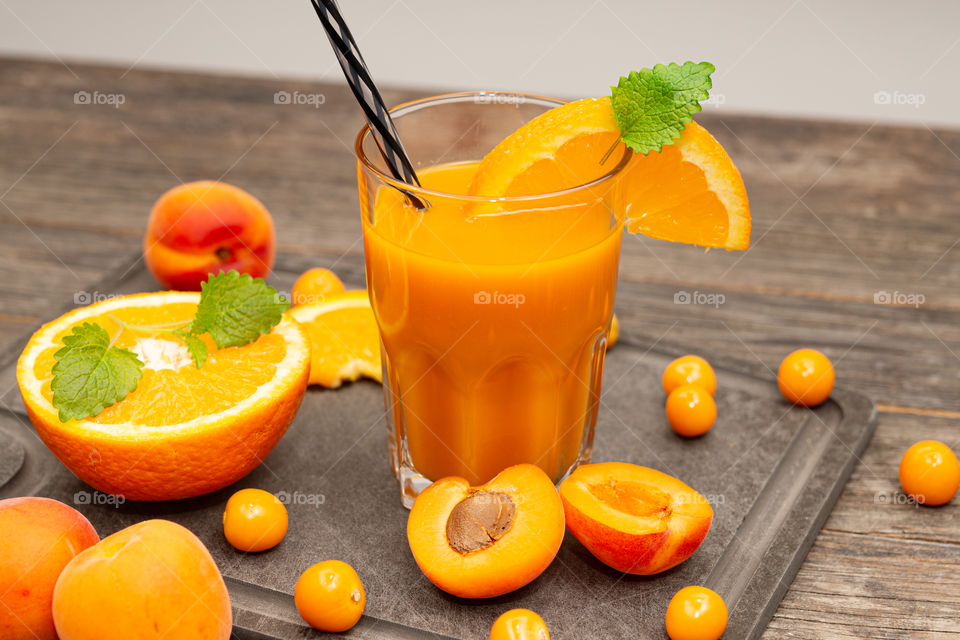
689,192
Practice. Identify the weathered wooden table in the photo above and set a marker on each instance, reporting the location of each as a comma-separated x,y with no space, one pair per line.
854,252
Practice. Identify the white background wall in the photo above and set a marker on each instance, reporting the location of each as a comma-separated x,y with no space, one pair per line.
821,58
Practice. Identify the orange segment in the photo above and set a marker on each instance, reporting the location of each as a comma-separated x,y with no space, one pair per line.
559,149
184,431
690,192
344,337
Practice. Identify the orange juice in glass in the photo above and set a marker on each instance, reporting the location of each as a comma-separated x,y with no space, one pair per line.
493,312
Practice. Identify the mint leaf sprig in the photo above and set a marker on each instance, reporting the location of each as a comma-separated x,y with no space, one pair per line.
652,106
92,373
235,309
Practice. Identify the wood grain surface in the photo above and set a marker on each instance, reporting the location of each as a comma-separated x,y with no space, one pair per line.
844,213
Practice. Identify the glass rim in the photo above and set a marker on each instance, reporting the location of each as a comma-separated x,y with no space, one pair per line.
366,163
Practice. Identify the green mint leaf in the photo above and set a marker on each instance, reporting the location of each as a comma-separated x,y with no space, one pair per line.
235,309
90,375
652,106
196,347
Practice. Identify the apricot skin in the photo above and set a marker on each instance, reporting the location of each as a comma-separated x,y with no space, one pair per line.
514,560
38,537
202,227
154,579
617,540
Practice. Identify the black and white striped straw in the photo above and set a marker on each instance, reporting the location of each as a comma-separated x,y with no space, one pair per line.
366,93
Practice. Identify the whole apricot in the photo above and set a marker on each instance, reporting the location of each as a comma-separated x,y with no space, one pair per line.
154,579
207,227
38,537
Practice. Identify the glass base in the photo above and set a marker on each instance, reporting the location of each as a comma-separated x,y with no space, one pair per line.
411,484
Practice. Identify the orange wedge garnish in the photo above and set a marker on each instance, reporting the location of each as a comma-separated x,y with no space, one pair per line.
345,342
689,192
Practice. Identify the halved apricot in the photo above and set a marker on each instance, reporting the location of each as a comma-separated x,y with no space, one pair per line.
635,519
480,542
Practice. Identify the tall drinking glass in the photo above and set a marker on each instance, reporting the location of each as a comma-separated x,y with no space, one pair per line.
493,312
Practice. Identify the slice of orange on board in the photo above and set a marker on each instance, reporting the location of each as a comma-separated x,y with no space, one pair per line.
345,342
184,431
689,192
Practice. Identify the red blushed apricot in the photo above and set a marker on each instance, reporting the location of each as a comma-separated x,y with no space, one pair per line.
207,227
480,542
632,518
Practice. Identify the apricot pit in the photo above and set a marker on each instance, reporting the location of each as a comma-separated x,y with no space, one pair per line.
479,520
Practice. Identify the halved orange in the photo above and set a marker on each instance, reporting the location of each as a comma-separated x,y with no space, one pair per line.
184,431
689,192
344,339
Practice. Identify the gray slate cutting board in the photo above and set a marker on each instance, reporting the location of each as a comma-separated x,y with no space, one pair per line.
771,471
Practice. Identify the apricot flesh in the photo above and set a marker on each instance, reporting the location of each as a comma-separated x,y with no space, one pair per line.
154,579
481,542
634,519
38,537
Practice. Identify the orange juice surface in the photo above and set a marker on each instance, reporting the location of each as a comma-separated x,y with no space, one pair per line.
493,322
